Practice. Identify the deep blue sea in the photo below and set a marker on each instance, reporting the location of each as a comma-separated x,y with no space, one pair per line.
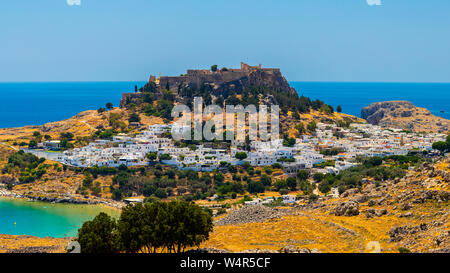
353,96
37,103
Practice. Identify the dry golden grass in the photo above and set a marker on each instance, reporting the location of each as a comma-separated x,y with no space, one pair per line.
300,231
319,228
19,242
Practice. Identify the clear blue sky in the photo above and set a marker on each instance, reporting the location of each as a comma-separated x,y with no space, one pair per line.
310,40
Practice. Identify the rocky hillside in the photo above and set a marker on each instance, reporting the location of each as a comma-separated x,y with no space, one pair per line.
408,214
404,115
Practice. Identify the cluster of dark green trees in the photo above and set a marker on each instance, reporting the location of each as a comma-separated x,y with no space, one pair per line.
442,146
162,109
108,106
150,227
353,177
27,166
332,151
160,181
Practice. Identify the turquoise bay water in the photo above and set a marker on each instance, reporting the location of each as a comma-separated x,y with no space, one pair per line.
45,219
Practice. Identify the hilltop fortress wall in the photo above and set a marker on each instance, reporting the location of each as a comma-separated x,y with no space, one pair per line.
221,80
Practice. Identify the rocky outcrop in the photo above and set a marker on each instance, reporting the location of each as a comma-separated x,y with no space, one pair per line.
250,214
349,192
6,179
370,213
33,249
350,208
62,200
220,82
404,115
285,249
397,234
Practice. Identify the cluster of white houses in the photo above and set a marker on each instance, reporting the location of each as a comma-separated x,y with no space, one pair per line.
357,140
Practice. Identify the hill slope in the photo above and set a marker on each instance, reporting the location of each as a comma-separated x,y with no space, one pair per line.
412,212
404,115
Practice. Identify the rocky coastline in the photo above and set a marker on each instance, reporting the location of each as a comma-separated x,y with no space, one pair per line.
63,200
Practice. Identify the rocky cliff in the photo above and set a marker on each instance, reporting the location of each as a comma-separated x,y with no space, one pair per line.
404,115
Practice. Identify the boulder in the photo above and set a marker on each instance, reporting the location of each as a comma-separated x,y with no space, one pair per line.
350,192
350,208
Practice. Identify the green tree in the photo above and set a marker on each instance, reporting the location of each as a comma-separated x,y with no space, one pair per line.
324,187
132,225
312,126
214,68
373,162
289,142
291,182
134,117
99,235
241,155
266,180
149,189
165,157
339,109
157,226
306,187
302,175
300,128
318,177
441,146
152,156
190,226
68,136
109,106
117,194
280,184
160,193
87,181
255,187
32,144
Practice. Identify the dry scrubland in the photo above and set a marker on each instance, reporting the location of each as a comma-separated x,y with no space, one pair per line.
27,244
81,125
316,226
